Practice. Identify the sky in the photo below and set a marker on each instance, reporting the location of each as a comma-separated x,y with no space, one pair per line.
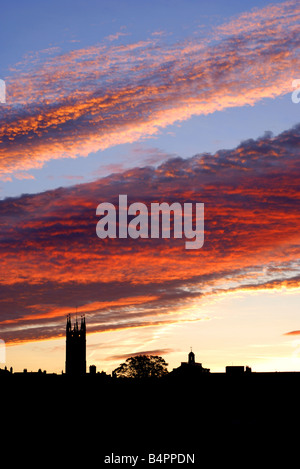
164,101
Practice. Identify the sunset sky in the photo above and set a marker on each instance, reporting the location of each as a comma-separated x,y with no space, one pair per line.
164,101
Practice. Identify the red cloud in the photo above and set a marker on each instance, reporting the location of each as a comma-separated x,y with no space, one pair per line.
53,259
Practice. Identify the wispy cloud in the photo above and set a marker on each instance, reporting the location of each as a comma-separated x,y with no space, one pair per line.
138,156
117,35
292,333
70,104
147,352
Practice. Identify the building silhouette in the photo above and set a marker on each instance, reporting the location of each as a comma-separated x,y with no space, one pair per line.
237,370
75,347
190,367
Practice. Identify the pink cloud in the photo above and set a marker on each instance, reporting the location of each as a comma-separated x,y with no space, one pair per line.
65,105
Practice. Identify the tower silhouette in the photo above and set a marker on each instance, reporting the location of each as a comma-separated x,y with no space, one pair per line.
191,358
75,347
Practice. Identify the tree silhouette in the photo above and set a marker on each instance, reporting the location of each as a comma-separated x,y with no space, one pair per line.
142,366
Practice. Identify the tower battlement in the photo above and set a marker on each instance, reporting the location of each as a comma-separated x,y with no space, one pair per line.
75,347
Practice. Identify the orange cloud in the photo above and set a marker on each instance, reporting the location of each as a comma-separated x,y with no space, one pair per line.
292,333
53,259
90,99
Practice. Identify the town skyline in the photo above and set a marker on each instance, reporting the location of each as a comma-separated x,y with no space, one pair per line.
180,102
79,328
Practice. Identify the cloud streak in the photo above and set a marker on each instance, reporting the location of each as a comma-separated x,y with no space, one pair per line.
147,352
71,104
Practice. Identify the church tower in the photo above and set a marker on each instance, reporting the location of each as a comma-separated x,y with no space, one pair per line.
75,347
191,358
